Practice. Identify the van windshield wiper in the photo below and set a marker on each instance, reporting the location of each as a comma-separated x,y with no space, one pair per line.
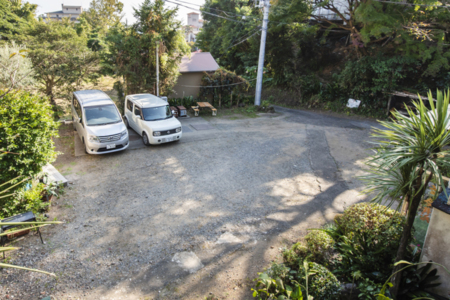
100,124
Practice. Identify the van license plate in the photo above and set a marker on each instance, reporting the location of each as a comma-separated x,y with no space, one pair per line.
111,146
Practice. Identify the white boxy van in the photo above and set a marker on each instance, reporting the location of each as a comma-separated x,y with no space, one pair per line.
98,122
151,118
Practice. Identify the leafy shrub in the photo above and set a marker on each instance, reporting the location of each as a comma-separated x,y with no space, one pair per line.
372,78
277,282
383,224
297,253
323,284
319,245
415,281
367,237
26,130
118,87
187,101
282,282
306,86
27,198
368,289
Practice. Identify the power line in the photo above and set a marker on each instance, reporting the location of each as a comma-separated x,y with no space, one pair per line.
215,86
210,8
257,30
233,20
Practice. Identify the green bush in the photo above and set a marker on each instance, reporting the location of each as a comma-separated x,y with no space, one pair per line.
27,198
323,284
367,237
26,131
371,78
319,245
297,253
368,290
383,225
282,282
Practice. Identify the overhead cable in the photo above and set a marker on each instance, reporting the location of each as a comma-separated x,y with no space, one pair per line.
216,86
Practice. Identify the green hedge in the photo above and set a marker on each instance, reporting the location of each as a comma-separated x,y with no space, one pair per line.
27,128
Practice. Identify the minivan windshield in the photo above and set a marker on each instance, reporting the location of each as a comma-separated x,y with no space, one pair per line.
157,113
101,115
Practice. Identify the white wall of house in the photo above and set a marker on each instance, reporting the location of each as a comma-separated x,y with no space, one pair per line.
341,5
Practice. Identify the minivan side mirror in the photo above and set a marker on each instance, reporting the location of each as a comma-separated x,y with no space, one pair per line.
138,116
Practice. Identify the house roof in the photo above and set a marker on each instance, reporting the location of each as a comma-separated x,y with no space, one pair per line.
198,62
192,13
64,13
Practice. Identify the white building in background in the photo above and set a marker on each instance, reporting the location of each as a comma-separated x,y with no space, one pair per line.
194,23
341,5
68,11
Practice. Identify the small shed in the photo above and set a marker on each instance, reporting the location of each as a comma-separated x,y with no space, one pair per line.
192,70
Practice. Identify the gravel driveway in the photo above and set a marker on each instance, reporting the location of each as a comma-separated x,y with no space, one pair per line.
200,216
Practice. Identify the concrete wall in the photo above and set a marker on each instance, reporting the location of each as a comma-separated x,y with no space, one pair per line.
191,78
437,248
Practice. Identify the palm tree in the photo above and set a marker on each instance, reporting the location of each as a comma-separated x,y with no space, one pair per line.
407,157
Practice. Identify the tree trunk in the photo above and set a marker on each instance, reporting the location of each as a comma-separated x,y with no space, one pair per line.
405,205
404,242
413,207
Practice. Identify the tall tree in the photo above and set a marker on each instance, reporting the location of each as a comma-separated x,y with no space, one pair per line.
61,57
103,14
132,50
228,29
16,19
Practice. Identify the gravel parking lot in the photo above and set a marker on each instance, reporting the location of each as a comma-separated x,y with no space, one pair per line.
198,217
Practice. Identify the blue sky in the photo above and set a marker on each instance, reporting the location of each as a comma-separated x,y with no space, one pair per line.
54,5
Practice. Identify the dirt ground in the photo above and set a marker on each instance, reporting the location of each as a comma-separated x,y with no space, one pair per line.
195,218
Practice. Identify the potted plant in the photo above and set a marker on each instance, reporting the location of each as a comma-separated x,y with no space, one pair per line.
50,191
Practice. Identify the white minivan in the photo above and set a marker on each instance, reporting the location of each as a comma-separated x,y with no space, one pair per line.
151,117
98,122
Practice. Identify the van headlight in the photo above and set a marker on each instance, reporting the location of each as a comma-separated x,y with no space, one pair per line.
178,129
94,138
123,133
156,133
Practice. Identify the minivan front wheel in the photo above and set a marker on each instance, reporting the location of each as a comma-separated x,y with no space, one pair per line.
145,139
125,121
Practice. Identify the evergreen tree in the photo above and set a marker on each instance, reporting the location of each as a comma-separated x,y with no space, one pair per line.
16,19
61,57
132,49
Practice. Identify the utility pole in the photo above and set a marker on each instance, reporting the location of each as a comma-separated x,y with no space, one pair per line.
262,50
157,68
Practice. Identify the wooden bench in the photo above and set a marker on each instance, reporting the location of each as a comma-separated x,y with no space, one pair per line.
208,105
25,217
196,110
